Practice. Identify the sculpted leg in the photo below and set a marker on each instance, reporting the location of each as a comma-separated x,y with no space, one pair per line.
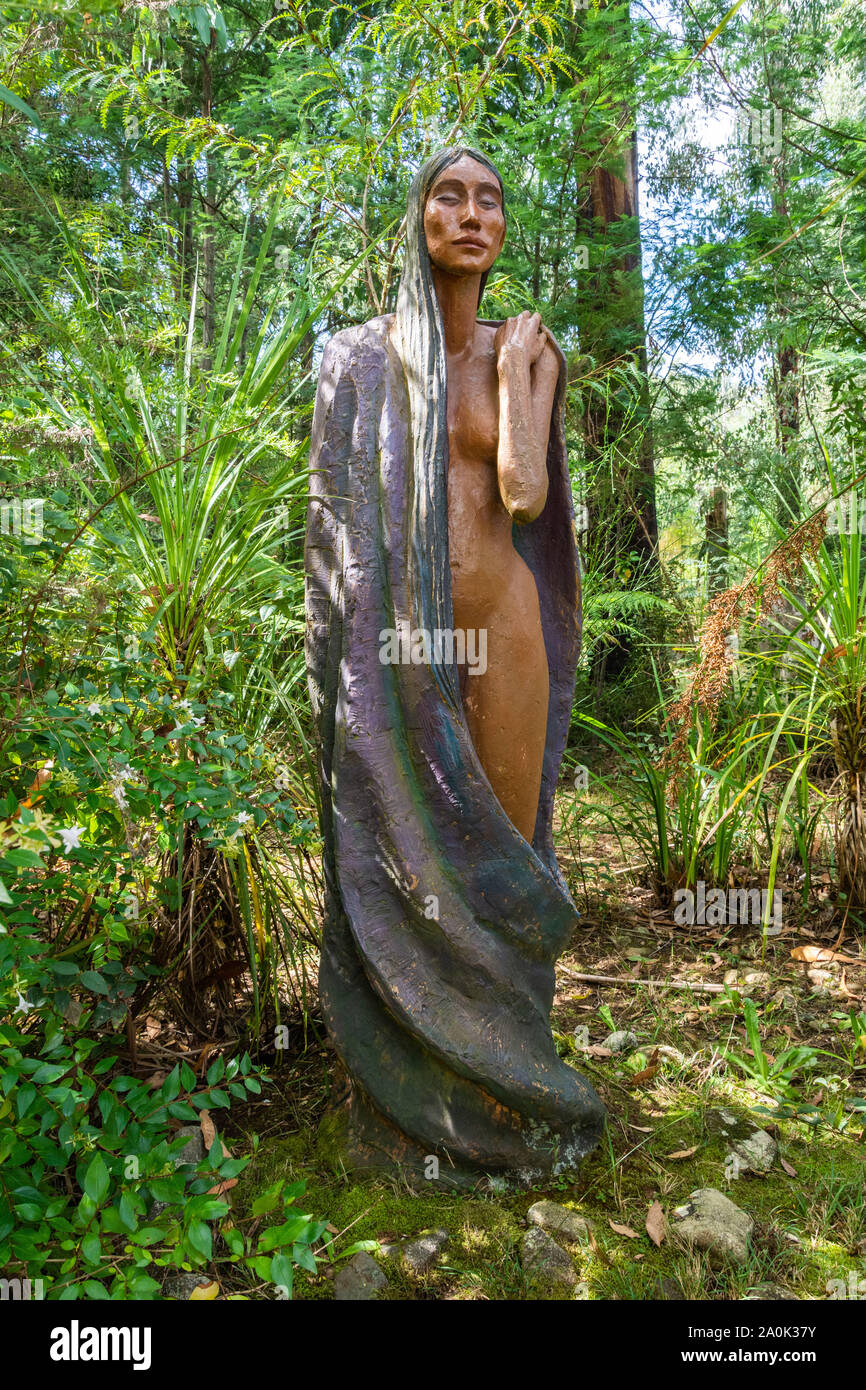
506,707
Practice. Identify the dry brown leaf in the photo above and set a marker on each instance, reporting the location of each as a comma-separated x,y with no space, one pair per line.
788,1167
222,1187
683,1153
624,1230
208,1129
649,1071
814,955
201,1060
644,1129
596,1050
596,1249
656,1225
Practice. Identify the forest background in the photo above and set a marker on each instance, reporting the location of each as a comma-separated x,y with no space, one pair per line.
194,198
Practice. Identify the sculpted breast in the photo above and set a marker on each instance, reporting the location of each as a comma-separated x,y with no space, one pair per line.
473,423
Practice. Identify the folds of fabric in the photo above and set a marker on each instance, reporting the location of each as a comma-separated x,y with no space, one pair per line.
442,924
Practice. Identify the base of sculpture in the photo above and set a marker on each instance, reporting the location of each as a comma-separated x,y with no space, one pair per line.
356,1139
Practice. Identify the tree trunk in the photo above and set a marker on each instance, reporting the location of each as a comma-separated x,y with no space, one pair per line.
209,208
619,336
786,384
623,525
717,551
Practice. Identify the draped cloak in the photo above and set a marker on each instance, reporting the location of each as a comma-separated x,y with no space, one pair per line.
442,924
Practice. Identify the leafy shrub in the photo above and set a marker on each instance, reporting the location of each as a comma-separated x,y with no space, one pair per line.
87,1151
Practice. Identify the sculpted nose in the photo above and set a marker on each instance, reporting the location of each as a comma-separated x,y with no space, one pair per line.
470,217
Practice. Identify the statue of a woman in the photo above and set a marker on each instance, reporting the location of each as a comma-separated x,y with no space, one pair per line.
443,626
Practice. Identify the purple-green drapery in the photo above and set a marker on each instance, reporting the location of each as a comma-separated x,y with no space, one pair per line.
442,924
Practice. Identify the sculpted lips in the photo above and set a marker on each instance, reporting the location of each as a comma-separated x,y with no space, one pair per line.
471,241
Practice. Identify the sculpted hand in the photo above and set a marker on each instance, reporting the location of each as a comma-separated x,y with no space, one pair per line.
524,336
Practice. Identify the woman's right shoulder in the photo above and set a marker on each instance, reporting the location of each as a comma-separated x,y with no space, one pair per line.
372,334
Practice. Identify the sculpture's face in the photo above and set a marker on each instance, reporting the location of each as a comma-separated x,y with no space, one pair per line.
464,221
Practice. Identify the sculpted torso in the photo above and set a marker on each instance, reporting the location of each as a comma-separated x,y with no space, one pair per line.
501,384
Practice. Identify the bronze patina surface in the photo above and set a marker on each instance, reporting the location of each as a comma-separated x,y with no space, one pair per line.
443,921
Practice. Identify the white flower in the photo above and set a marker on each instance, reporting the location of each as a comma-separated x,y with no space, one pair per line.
116,782
23,1006
187,718
242,817
94,708
71,837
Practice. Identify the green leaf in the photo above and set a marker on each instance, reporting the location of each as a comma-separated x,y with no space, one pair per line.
268,1200
282,1272
12,100
148,1235
91,1249
171,1085
96,1179
201,19
93,981
25,1099
127,1211
63,967
49,1071
199,1236
93,1289
234,1240
304,1256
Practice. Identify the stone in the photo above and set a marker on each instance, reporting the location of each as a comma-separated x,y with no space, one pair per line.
751,1149
667,1290
545,1262
180,1284
360,1280
193,1150
771,1291
729,1124
621,1041
558,1221
756,1154
420,1255
748,979
712,1222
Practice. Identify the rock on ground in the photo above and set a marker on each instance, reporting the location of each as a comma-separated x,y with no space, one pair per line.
360,1280
752,1149
755,1154
712,1222
180,1284
667,1290
558,1221
545,1262
621,1041
771,1291
746,979
421,1254
193,1150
